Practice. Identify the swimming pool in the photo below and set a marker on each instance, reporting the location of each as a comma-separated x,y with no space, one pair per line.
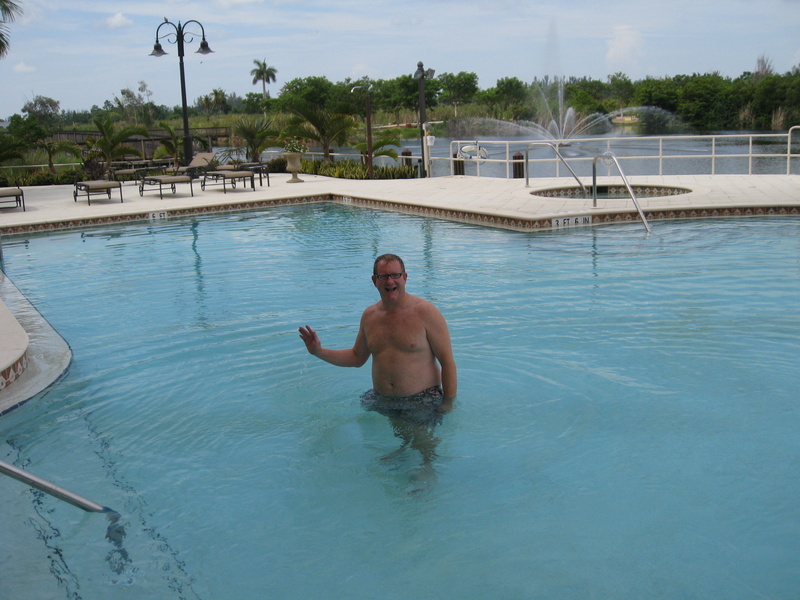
626,424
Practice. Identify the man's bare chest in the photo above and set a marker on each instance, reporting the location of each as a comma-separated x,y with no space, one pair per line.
396,332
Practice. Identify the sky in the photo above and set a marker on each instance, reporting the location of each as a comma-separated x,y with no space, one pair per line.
83,52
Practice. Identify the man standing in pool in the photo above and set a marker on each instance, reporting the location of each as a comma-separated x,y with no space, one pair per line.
407,337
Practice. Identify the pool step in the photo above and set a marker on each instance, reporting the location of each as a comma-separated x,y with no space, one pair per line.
13,350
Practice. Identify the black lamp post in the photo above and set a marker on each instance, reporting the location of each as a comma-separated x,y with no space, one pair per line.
178,37
370,174
421,75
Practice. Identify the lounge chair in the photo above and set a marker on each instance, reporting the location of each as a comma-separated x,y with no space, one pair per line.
13,194
132,168
95,187
215,177
259,169
164,180
199,163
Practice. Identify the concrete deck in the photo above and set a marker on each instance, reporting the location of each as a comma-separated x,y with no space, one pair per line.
486,201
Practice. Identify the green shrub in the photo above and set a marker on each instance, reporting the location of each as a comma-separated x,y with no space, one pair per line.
71,177
277,165
94,168
350,169
17,177
398,172
42,178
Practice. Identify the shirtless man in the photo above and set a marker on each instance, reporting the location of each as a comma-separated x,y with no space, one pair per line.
406,336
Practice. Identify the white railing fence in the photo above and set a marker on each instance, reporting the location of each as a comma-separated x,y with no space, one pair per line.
735,153
751,154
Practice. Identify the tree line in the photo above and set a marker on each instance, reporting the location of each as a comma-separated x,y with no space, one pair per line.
756,100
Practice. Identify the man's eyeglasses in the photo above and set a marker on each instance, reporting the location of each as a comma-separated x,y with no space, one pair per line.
386,276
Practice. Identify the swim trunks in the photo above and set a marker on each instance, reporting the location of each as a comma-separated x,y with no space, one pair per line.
420,409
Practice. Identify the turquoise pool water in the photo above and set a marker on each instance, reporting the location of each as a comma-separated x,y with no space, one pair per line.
626,425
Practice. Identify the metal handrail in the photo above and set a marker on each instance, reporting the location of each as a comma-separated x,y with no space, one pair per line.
115,532
610,155
789,149
52,489
561,158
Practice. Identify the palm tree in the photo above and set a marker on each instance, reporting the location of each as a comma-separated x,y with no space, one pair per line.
316,123
381,145
52,147
11,148
219,99
257,133
263,73
206,103
172,145
110,144
8,12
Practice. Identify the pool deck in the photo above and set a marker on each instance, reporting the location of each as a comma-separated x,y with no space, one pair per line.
503,203
490,201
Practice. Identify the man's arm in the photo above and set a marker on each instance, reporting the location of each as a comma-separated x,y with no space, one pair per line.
349,357
439,339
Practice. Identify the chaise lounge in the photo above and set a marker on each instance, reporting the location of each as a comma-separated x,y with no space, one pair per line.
13,194
96,187
164,180
199,163
216,177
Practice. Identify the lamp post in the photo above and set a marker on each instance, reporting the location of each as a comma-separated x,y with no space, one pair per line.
370,173
178,37
421,75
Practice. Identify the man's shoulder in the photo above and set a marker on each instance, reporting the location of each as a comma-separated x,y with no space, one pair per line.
422,302
424,308
371,310
417,304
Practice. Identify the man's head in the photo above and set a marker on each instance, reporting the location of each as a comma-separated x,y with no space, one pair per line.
389,276
387,258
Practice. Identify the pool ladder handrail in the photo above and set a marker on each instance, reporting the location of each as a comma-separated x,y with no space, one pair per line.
604,157
53,489
561,158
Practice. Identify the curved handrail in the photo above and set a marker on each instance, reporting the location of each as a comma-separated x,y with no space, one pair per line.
561,158
52,489
789,149
607,155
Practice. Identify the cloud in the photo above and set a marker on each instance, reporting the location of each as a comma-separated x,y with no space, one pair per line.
625,49
235,3
21,67
118,21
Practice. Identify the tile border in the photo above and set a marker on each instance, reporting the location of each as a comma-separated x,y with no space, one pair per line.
10,374
140,217
588,217
641,191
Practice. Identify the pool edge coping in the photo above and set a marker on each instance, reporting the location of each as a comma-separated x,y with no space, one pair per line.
539,222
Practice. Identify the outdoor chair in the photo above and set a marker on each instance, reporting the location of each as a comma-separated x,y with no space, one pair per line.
12,194
95,187
200,163
224,177
259,169
164,180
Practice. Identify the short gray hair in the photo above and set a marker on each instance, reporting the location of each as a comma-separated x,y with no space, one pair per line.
387,258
